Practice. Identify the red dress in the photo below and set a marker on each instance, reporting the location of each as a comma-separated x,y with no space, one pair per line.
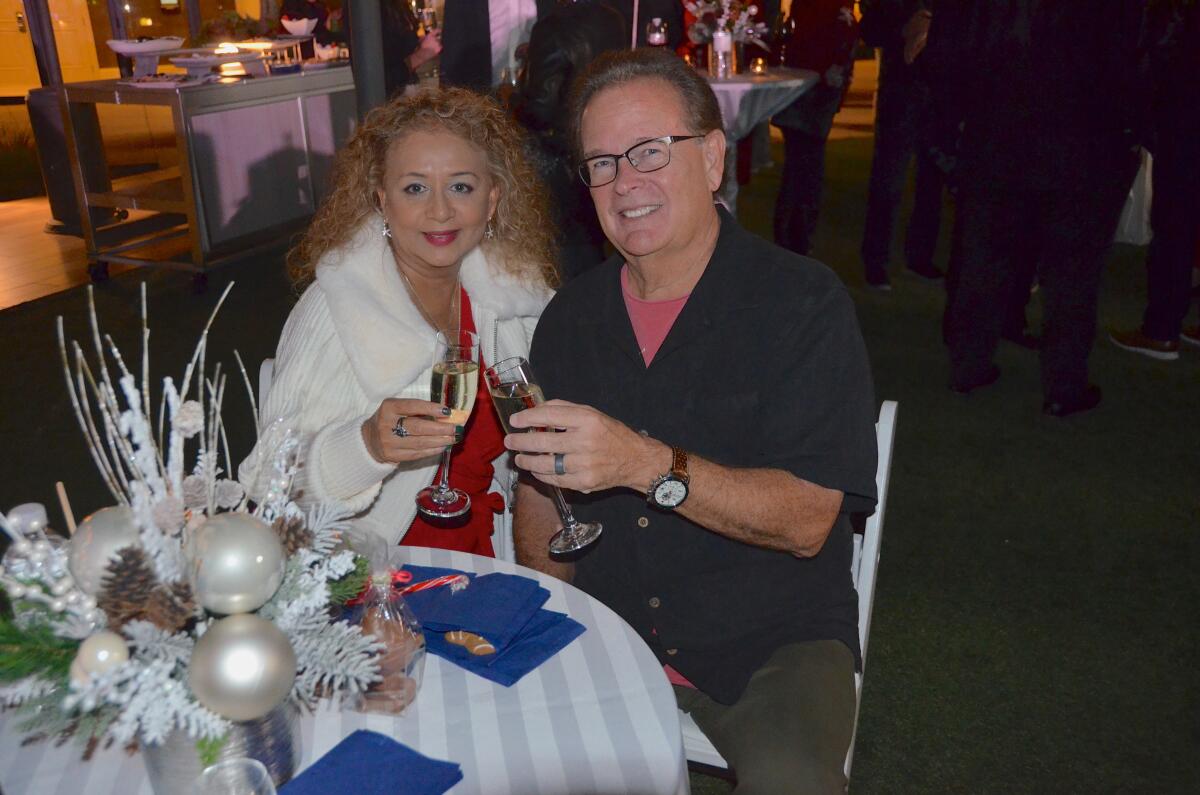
471,472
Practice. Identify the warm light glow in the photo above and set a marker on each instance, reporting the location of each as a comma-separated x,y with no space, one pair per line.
226,48
127,8
758,66
146,22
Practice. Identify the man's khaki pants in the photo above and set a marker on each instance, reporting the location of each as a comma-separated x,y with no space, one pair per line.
789,731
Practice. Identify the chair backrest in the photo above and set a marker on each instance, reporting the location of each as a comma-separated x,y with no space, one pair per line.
266,371
865,564
699,749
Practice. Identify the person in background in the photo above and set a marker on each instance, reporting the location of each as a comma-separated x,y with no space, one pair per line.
562,44
1173,48
822,38
481,39
718,419
903,114
1050,95
435,221
404,49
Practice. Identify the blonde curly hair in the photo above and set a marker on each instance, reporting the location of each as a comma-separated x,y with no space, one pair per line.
523,245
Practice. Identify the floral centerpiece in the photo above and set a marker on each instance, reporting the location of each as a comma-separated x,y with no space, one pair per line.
732,16
184,610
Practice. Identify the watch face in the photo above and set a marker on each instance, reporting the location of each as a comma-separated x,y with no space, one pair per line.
670,493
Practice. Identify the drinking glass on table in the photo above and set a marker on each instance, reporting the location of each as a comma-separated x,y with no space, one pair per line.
513,388
241,776
454,384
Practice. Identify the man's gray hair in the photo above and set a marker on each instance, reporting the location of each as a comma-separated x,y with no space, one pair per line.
699,104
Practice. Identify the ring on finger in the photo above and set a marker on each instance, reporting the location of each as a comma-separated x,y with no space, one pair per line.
398,429
560,467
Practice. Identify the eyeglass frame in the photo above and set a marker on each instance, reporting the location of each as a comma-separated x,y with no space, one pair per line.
581,169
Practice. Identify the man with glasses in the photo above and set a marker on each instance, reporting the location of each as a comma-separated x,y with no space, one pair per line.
717,415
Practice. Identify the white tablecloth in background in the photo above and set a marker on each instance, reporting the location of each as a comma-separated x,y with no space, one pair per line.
746,101
599,717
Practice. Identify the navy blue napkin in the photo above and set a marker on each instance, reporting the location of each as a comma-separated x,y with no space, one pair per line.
545,635
505,609
368,763
495,606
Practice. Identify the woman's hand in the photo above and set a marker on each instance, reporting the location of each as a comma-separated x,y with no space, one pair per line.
429,48
426,426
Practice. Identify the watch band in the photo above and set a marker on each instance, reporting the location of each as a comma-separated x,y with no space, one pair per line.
679,463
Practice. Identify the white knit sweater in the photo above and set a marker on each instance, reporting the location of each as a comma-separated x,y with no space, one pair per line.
356,338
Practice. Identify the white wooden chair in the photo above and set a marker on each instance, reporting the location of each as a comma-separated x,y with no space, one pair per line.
863,568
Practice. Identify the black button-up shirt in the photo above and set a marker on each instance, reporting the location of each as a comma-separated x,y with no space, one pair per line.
764,367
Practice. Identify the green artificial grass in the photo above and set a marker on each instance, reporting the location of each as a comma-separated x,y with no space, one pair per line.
1035,622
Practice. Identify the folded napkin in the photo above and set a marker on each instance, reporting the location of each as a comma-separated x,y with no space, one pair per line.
495,606
368,763
506,609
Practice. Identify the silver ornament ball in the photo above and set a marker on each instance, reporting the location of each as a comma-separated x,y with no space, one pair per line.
101,652
242,667
236,563
97,541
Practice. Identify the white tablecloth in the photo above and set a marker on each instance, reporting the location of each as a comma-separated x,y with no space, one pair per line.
599,717
746,101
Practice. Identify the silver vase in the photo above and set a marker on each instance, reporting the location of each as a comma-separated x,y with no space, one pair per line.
273,739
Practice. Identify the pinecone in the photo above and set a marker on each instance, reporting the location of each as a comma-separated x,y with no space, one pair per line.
128,587
171,606
293,533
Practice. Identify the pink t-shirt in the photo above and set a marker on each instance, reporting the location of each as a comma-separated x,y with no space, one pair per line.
651,320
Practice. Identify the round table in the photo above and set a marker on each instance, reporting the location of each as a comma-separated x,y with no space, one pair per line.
598,717
747,100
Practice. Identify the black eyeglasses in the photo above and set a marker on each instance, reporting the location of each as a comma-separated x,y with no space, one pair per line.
645,157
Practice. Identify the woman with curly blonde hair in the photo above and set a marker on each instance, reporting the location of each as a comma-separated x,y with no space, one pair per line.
436,222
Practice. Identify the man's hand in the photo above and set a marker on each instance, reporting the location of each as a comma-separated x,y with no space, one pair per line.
423,437
598,451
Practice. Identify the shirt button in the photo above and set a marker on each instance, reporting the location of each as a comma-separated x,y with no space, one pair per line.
655,601
643,522
672,652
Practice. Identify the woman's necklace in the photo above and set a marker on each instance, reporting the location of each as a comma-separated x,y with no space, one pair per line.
425,313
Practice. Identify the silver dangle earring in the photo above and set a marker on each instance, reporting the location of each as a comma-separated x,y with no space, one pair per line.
490,232
387,230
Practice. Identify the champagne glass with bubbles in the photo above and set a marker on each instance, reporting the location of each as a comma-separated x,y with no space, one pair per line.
514,388
454,384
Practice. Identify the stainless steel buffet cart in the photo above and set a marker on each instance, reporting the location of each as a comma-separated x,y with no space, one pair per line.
254,158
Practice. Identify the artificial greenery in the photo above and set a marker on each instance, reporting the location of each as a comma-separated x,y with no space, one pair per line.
209,749
33,651
352,585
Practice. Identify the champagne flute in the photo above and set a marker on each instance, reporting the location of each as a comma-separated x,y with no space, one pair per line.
514,388
454,384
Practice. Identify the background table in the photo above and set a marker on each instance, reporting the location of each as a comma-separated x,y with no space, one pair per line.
747,100
598,717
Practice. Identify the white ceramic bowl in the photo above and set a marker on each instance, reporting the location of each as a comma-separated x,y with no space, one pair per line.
129,47
299,27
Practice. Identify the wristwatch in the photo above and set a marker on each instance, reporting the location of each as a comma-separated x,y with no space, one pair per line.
670,489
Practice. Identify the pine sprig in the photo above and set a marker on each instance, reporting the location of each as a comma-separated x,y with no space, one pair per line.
33,651
209,749
351,585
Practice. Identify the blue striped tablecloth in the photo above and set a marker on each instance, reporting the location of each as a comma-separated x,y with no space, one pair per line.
599,717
